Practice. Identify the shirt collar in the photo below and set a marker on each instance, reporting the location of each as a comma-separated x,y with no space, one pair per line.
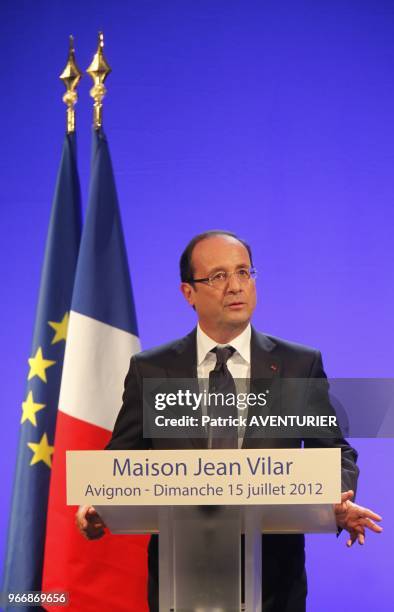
241,344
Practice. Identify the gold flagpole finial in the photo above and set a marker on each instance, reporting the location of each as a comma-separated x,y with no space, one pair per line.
98,70
71,76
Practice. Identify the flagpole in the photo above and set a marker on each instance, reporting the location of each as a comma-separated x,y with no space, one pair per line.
71,76
99,69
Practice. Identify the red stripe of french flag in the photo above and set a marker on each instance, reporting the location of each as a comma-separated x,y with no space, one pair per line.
107,574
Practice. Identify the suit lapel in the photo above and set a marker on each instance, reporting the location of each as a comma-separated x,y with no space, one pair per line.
184,365
264,376
264,365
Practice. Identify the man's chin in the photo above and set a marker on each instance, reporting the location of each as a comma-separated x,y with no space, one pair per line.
237,318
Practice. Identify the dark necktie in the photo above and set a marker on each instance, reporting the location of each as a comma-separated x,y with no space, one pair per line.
221,382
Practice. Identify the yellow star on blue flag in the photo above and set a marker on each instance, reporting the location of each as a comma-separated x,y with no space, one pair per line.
42,451
38,365
30,407
60,329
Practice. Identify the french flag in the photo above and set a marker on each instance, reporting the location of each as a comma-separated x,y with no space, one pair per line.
106,574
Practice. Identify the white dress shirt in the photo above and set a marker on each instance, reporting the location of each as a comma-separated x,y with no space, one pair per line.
238,364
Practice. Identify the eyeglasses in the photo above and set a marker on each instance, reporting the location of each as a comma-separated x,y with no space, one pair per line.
221,278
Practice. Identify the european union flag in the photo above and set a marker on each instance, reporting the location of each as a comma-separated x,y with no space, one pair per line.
26,536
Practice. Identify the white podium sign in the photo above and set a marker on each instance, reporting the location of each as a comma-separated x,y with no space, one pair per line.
204,477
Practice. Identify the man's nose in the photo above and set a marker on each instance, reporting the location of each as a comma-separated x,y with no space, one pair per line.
234,284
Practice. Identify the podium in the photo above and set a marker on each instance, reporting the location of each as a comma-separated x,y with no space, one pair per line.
201,502
200,548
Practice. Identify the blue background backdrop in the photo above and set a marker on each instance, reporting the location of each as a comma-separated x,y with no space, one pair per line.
273,119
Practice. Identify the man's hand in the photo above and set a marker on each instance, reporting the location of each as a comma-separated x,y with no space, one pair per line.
355,519
89,523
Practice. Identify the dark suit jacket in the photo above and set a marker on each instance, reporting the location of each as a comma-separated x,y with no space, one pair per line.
272,359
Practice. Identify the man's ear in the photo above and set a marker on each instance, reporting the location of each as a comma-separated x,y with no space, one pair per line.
188,293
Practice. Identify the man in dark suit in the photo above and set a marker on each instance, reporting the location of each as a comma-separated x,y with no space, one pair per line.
218,281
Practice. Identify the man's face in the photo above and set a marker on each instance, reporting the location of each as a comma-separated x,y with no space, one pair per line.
227,309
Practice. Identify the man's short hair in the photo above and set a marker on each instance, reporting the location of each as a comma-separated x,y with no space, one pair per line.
185,263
